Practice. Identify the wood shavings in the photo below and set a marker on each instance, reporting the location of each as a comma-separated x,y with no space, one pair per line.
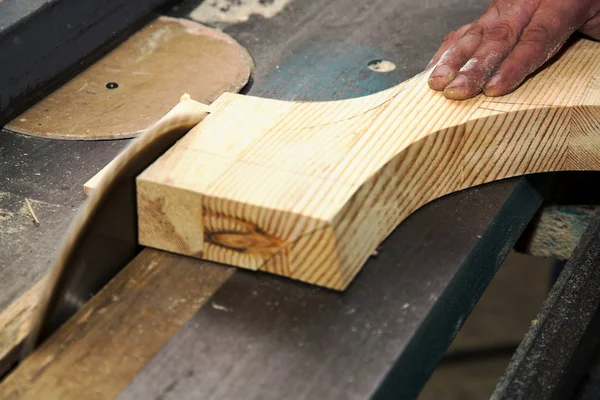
221,307
381,66
236,11
36,221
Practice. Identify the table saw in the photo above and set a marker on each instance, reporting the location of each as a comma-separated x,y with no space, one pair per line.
194,329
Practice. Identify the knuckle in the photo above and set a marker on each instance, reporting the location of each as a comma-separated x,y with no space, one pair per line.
556,23
477,29
537,34
495,8
591,29
502,32
454,35
592,12
450,37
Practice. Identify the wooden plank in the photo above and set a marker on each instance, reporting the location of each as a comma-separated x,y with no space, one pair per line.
93,182
15,325
98,351
308,190
116,96
61,35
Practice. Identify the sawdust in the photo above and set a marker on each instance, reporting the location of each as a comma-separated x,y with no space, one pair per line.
23,211
5,215
381,66
221,307
157,38
446,56
10,223
236,11
15,221
472,63
194,28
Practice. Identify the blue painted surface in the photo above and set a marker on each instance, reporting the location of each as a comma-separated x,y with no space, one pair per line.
326,71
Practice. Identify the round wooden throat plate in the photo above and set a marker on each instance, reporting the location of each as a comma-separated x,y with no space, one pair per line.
138,82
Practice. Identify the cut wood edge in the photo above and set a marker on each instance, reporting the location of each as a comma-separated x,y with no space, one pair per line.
93,182
98,351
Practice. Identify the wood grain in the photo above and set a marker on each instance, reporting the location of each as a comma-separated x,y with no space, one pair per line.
169,56
308,190
15,324
92,183
98,351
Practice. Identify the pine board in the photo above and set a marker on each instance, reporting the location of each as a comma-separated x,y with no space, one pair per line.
308,190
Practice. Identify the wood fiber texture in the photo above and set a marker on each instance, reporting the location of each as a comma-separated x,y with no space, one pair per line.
98,351
15,325
309,190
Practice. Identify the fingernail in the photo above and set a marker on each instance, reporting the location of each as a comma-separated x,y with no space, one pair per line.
459,81
441,71
493,81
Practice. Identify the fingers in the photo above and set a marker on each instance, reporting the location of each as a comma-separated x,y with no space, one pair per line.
455,57
466,65
498,41
542,38
448,41
592,28
510,41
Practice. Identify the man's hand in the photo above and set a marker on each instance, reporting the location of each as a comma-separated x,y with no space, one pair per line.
511,40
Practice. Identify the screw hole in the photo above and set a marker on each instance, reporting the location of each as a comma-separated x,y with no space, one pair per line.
112,85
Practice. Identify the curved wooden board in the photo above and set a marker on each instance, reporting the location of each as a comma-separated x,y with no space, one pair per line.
308,190
151,70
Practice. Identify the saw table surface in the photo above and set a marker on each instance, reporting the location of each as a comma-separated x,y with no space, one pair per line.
261,336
